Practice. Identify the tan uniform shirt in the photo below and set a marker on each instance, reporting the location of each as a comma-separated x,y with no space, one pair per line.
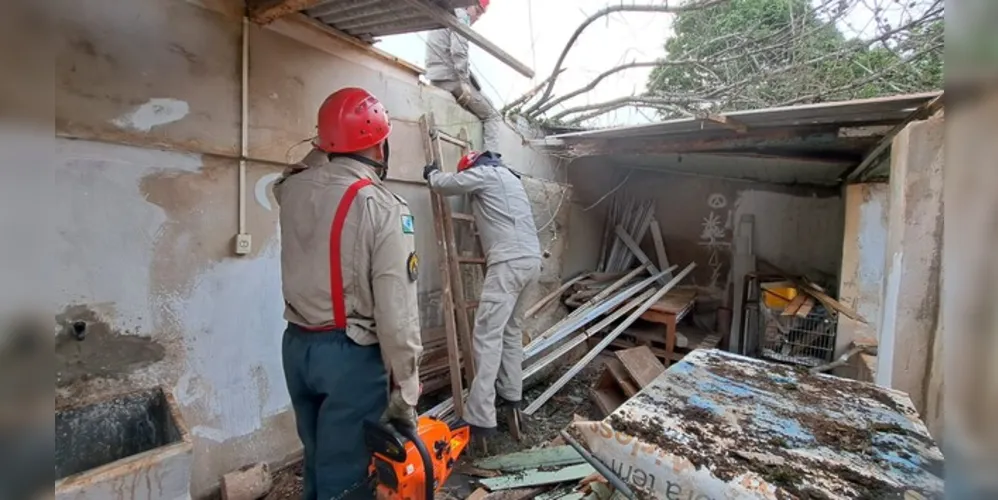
378,239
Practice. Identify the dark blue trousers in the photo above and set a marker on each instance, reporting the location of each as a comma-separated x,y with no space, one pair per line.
335,385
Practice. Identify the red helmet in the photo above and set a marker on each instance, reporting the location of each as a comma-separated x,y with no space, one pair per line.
351,120
468,160
484,4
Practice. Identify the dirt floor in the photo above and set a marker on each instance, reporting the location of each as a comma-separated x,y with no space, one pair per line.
542,427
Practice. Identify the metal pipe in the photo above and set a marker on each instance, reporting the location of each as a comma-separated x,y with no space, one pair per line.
600,467
244,127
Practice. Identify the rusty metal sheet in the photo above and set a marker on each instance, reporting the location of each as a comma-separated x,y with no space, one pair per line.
718,425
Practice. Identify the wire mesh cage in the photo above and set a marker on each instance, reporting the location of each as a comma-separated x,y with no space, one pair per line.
780,328
807,340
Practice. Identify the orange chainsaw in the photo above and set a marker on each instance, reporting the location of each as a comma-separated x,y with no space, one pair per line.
412,464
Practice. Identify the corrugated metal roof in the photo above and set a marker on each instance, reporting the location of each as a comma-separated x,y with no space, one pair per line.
809,144
864,111
368,19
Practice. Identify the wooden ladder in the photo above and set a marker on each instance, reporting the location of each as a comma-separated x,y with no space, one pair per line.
457,308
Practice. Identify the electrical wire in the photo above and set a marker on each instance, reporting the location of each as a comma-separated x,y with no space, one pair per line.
608,193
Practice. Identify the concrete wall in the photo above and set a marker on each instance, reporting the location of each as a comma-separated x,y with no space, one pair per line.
798,229
909,320
864,244
145,195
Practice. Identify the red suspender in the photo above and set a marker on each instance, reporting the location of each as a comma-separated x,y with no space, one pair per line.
335,242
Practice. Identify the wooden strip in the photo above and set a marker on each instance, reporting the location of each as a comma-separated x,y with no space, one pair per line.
530,349
449,20
571,344
656,236
636,250
478,494
831,303
555,456
462,217
642,366
794,305
266,11
575,369
726,122
537,477
447,297
551,296
805,308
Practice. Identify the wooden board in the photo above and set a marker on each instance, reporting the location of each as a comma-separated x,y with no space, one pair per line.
616,370
676,301
805,308
794,305
555,456
656,236
641,364
537,477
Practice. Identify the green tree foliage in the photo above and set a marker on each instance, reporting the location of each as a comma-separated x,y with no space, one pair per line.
758,53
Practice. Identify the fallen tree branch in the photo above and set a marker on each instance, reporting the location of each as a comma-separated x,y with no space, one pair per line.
594,83
605,12
530,93
646,100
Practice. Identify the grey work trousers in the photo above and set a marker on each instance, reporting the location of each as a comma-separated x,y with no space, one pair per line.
498,339
480,106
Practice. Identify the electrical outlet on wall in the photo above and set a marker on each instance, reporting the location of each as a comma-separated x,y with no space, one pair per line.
244,244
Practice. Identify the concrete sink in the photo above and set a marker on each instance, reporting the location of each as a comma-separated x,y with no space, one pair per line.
133,446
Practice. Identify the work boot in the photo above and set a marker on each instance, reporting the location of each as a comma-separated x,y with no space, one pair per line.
508,414
476,431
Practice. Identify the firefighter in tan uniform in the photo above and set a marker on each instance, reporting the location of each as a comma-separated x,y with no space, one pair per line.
349,267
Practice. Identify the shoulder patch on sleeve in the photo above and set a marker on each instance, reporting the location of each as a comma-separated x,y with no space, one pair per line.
408,224
412,266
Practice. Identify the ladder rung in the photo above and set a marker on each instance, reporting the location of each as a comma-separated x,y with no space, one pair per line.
464,217
471,260
470,305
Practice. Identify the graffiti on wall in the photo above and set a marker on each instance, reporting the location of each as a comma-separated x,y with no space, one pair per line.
714,235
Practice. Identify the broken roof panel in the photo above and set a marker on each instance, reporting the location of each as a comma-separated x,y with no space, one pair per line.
719,425
880,110
368,19
816,144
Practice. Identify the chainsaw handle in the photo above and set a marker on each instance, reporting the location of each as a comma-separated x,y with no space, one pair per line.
412,434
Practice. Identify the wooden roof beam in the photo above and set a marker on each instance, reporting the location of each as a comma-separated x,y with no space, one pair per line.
267,11
449,20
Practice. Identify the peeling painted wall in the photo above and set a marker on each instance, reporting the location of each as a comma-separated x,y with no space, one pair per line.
796,228
909,320
145,195
864,245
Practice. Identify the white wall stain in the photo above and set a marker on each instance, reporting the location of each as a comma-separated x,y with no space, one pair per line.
872,244
262,190
232,324
156,112
99,242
